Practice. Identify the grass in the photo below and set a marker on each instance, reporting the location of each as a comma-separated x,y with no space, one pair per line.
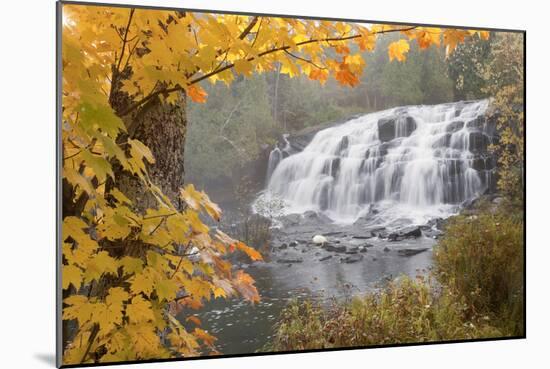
475,291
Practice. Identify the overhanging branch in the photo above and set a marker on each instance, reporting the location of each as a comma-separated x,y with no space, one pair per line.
231,65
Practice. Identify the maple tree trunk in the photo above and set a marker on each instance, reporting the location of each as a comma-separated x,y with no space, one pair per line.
162,127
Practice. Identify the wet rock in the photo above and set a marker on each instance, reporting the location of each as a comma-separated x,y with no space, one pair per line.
443,141
283,246
483,163
394,236
407,232
393,127
312,216
326,258
412,232
386,129
366,245
363,237
343,145
432,233
351,259
319,240
386,249
410,252
478,142
332,233
334,167
290,261
293,244
332,248
376,229
362,249
382,234
454,126
290,220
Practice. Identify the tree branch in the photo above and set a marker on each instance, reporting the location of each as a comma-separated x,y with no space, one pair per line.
304,59
231,65
125,40
248,28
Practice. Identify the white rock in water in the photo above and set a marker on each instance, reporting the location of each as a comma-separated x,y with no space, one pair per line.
319,240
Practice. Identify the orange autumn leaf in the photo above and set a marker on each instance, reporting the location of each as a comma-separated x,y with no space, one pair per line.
320,75
207,338
345,76
244,283
193,318
197,94
251,252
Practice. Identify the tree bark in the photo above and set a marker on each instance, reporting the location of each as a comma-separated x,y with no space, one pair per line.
162,127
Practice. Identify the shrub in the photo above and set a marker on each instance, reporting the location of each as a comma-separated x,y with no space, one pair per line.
405,311
480,258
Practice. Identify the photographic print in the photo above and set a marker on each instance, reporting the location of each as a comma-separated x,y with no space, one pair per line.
249,184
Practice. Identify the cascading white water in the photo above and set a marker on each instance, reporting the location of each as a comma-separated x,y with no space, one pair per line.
416,162
275,157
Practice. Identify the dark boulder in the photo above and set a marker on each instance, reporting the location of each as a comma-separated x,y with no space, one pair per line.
333,248
386,129
334,167
478,142
365,236
442,141
454,126
290,261
343,145
312,217
290,220
407,232
351,259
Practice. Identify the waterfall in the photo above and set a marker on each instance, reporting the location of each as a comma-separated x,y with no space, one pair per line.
276,155
414,161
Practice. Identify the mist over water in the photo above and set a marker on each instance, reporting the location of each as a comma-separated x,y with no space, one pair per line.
413,163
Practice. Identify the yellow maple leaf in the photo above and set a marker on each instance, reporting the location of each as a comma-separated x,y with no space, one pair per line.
141,283
139,310
398,49
166,289
71,274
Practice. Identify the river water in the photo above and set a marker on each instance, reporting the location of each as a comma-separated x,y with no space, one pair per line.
244,328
